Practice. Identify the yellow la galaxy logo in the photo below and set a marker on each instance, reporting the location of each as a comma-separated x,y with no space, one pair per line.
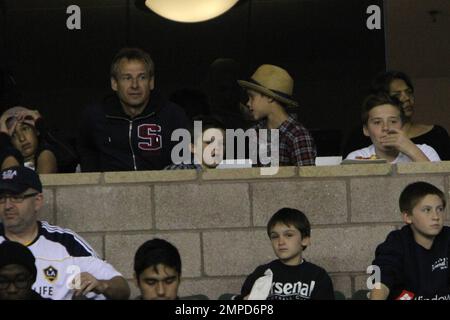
51,274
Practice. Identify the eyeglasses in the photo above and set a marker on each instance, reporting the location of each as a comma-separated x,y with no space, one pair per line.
20,282
16,198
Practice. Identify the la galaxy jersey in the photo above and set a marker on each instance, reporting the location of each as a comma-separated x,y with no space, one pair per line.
60,255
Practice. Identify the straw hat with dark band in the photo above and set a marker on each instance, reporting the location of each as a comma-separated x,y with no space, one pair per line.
272,81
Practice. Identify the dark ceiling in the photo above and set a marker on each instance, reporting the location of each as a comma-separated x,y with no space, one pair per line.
324,44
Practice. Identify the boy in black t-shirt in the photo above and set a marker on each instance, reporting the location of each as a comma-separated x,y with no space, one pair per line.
413,261
289,277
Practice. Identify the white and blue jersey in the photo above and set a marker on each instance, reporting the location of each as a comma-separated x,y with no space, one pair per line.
60,255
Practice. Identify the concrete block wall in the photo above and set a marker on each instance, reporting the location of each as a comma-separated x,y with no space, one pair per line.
217,218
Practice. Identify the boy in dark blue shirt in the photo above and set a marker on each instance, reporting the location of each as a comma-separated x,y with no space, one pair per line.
413,261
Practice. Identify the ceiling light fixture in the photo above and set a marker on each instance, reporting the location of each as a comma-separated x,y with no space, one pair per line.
190,10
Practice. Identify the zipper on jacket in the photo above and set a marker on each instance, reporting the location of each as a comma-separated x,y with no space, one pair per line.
131,146
130,128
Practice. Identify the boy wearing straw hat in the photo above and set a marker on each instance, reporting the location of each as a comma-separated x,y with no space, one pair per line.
270,93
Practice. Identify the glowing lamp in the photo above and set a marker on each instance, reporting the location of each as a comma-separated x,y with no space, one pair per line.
190,10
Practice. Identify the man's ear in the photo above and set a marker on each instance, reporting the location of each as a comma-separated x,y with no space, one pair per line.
113,84
306,241
152,83
407,218
365,131
38,202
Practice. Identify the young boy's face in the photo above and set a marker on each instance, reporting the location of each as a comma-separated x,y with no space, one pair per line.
381,120
161,284
427,217
287,243
258,105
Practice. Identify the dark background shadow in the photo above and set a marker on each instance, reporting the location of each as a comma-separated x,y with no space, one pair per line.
324,44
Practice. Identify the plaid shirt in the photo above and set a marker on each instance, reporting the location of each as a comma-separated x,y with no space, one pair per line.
296,145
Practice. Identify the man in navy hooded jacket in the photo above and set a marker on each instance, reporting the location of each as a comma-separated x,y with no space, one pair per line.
131,131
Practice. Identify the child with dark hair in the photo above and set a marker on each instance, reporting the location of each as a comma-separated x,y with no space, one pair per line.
289,277
17,272
24,129
157,270
413,261
383,118
207,149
